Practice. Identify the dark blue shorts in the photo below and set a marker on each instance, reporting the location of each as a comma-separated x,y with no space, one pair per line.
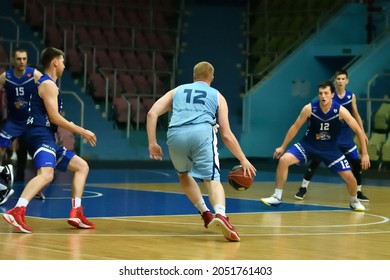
331,155
45,151
11,130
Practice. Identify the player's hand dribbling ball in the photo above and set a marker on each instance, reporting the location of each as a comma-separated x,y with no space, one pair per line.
237,179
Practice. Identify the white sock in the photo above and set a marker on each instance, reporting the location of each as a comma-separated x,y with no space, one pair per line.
278,193
353,199
359,188
76,202
22,202
305,183
220,209
1,168
201,206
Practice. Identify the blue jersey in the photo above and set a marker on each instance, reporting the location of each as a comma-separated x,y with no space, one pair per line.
346,143
37,112
321,139
323,127
18,91
194,103
346,102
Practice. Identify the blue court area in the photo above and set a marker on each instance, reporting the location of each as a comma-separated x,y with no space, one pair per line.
110,200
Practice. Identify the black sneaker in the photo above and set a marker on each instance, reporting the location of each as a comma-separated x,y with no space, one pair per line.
40,196
8,175
362,197
301,193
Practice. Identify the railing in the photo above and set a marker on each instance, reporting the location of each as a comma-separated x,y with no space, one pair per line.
17,32
13,44
254,78
369,100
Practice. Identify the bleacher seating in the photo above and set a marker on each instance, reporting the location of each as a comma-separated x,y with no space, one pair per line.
276,27
382,118
134,36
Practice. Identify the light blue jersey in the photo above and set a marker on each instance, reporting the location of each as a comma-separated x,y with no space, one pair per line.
192,141
193,104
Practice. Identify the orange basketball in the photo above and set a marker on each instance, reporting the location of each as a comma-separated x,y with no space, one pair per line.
237,179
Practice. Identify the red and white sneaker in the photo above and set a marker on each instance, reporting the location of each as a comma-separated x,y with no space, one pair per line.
15,217
228,231
78,220
207,217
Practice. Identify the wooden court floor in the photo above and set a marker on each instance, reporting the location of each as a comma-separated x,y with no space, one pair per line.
267,233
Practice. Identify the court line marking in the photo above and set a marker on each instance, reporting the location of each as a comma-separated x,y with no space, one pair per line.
94,195
383,220
197,235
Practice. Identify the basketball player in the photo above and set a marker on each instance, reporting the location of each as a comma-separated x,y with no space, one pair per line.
44,118
347,145
18,83
192,143
325,118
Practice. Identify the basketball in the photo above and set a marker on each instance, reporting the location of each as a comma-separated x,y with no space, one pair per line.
237,179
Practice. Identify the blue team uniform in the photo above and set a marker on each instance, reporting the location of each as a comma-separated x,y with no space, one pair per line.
191,139
321,139
41,134
345,140
18,91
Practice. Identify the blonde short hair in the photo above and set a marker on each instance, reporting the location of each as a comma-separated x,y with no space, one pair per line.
203,71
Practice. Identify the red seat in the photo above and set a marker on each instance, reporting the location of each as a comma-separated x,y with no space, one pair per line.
97,86
161,63
62,12
111,37
117,59
34,15
119,17
159,20
124,36
102,59
128,85
77,12
145,60
132,61
91,66
104,14
145,18
159,87
153,41
167,41
97,36
140,41
144,86
114,86
120,108
54,37
90,12
75,61
132,18
82,35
